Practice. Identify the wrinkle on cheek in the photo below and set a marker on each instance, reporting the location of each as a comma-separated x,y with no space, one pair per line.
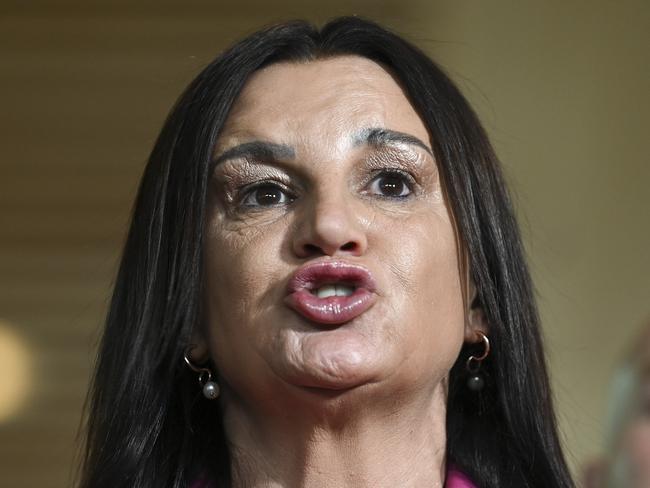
426,268
236,269
233,236
401,270
368,221
290,348
239,238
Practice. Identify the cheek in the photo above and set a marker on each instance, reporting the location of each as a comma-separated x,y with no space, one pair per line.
241,257
230,261
240,266
422,258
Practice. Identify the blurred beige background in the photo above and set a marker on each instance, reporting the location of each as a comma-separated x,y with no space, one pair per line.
562,86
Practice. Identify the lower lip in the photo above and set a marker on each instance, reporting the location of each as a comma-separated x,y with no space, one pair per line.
331,310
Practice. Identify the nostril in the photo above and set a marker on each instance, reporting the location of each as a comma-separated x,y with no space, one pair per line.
312,249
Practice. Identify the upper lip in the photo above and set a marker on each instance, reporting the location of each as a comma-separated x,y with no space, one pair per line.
315,275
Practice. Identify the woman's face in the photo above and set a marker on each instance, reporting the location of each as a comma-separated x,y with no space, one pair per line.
324,169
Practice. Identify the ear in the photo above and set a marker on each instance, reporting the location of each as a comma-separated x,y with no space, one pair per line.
476,320
199,352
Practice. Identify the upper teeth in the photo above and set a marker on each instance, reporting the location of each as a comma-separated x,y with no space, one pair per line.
334,290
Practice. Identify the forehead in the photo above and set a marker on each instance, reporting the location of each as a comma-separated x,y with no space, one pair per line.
320,98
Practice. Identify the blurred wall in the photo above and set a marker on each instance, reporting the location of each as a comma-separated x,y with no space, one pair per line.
84,86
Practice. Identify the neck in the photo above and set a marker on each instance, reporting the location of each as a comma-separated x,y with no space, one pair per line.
377,444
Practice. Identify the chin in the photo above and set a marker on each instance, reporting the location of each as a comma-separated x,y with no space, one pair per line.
336,361
342,381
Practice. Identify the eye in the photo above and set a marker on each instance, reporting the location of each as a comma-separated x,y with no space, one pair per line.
392,184
265,195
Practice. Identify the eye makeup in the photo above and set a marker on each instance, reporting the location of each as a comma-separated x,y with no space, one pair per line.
419,168
232,176
235,179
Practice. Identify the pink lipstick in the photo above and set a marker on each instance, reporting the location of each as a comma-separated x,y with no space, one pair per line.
331,292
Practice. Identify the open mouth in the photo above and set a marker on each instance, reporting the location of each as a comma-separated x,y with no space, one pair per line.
331,292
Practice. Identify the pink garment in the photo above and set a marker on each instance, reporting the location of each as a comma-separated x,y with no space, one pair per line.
455,479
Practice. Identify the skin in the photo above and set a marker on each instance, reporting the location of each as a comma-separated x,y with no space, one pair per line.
363,403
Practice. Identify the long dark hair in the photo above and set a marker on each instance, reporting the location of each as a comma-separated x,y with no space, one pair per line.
146,425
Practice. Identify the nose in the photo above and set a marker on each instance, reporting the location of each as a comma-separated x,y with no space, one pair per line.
330,225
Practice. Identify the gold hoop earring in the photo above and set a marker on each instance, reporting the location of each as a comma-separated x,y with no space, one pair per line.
476,382
210,388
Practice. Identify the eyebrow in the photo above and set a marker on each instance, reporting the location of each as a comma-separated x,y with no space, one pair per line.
270,151
260,150
378,137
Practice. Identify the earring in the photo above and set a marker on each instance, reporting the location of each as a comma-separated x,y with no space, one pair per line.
476,382
210,388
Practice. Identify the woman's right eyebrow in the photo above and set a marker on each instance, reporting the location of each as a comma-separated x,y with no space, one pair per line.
257,150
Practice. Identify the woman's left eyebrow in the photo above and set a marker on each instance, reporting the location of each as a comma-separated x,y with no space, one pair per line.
380,137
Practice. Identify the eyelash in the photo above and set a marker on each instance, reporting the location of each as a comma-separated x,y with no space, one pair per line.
248,190
406,178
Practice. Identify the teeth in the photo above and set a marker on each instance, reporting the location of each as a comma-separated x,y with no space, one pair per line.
333,290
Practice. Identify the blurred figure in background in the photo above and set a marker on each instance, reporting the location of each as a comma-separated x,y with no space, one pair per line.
627,460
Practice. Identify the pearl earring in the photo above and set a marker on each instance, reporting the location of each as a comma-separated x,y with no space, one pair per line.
476,382
210,388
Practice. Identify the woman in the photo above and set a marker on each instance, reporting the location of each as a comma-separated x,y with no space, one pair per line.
323,239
